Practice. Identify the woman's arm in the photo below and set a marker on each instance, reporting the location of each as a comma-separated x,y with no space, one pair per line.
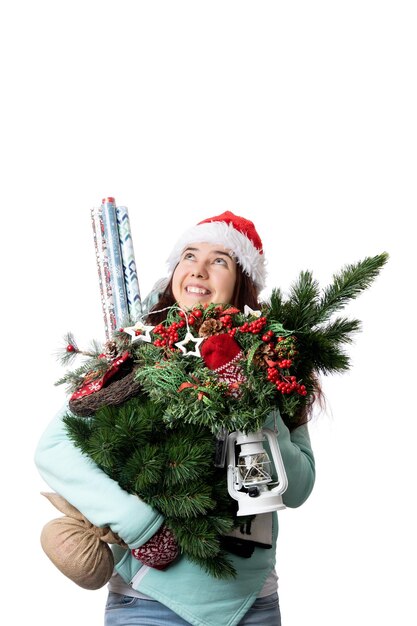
298,460
76,478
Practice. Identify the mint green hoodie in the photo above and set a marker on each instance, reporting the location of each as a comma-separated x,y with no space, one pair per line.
184,587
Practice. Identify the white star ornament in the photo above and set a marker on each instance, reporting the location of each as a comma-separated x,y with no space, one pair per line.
139,326
189,338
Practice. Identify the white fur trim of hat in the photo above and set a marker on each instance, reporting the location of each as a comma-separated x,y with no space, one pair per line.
236,234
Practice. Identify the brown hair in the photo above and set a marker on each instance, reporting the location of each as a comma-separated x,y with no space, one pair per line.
316,396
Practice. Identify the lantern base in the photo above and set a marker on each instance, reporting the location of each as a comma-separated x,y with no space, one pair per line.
264,503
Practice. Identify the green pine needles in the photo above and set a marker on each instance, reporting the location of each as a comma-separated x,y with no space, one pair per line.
170,469
322,337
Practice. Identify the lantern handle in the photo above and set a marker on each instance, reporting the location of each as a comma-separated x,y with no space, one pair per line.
276,453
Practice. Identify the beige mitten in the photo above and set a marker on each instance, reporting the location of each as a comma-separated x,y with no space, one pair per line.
78,548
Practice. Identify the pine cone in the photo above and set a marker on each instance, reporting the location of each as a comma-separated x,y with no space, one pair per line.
263,355
111,349
210,327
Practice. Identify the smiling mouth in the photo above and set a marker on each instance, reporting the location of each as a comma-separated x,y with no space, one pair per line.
198,290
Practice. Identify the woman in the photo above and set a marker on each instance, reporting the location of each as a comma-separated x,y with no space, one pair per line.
220,260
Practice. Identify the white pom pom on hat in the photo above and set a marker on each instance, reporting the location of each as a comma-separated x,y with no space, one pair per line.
234,233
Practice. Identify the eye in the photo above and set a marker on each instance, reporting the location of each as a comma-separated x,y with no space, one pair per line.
188,256
220,261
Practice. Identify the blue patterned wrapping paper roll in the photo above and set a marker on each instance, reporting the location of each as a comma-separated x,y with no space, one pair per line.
111,232
106,295
129,264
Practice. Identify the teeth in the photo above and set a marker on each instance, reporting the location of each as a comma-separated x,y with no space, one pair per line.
198,290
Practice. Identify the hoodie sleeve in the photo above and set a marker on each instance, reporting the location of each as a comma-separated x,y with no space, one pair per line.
298,460
97,496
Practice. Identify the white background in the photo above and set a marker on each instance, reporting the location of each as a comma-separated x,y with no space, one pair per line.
298,115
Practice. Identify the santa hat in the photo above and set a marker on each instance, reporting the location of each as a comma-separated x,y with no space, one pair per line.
236,234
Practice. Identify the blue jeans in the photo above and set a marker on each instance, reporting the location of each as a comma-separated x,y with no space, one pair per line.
128,611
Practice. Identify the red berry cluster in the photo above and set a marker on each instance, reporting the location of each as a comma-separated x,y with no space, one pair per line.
284,383
168,336
276,374
192,316
227,321
254,327
268,336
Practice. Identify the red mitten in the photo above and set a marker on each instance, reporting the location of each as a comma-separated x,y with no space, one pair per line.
159,551
221,353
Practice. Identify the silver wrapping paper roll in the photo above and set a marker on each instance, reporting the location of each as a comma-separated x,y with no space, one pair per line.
111,232
129,264
106,295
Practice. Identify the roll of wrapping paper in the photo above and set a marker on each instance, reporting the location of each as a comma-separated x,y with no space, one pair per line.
106,295
111,232
129,264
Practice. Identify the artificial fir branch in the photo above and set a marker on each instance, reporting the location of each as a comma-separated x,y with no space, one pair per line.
348,284
305,311
79,432
177,478
70,350
95,349
74,379
300,309
191,500
143,470
198,537
218,566
274,307
341,330
133,422
64,355
322,355
186,461
168,375
102,449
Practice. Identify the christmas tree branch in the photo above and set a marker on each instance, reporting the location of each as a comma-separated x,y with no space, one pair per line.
348,284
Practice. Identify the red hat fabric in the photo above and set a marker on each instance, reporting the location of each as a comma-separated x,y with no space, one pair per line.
236,234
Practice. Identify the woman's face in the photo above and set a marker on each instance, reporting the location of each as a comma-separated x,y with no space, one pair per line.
206,273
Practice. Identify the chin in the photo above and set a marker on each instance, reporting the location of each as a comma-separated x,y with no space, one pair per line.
189,303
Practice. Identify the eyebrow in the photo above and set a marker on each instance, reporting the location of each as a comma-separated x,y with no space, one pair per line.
213,251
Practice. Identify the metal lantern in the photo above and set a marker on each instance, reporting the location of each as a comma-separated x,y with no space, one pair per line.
250,472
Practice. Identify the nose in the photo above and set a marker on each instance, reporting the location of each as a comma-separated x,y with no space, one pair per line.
199,274
199,270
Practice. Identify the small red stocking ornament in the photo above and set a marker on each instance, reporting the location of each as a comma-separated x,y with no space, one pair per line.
221,353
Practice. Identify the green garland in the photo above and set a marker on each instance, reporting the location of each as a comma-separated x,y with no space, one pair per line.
160,444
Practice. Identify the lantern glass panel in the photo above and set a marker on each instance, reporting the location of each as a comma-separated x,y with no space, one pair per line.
255,469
